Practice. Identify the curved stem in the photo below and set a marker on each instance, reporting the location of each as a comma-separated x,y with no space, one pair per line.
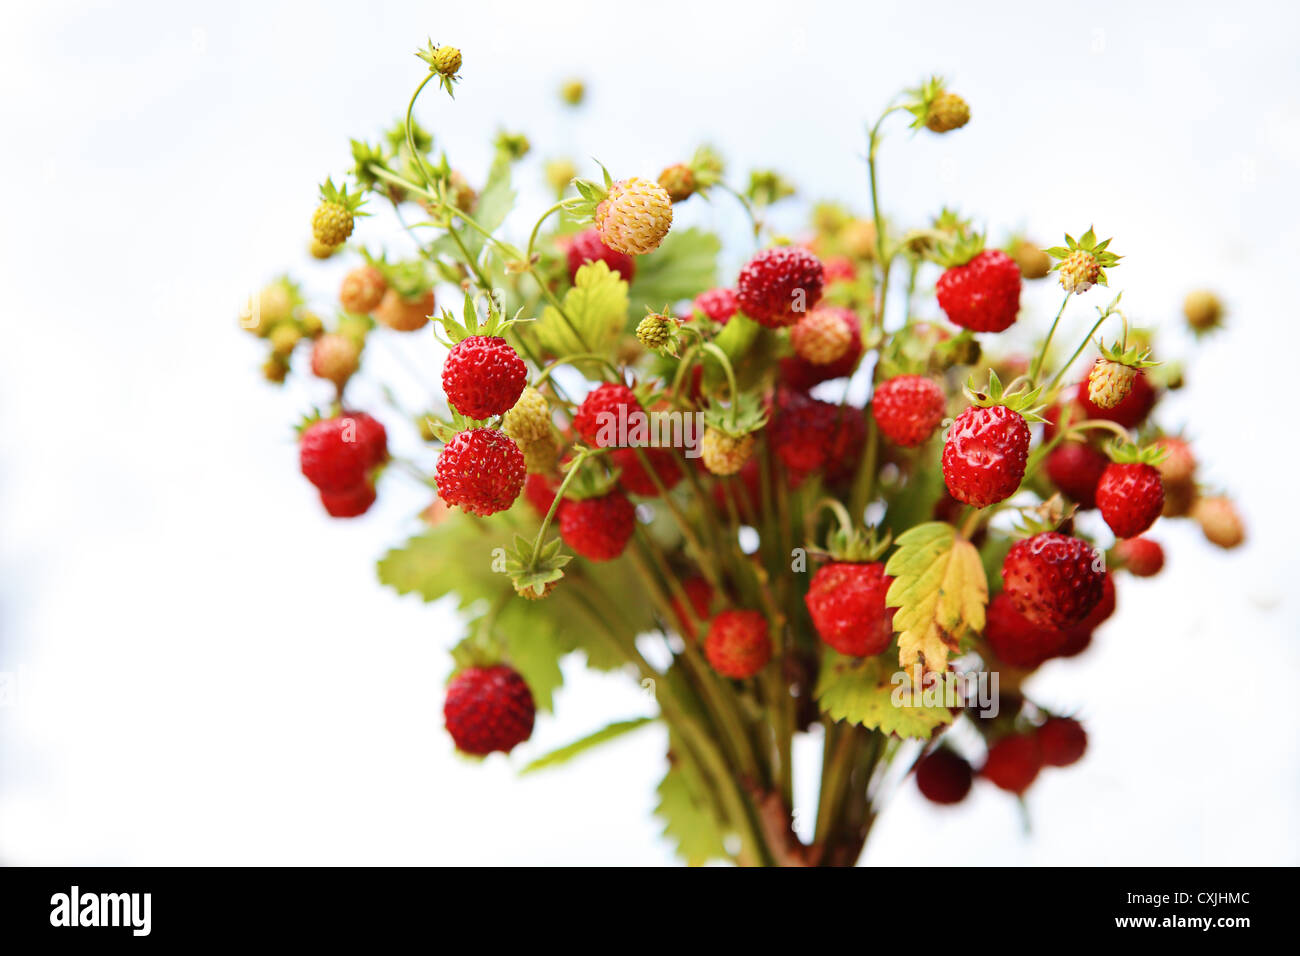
1042,353
1077,352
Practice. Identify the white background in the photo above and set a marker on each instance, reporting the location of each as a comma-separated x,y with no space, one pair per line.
207,671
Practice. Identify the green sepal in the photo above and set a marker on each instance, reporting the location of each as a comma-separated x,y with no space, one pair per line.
352,202
1130,453
1019,398
1086,243
738,418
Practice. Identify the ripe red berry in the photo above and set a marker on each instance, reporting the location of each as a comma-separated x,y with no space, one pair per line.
908,408
985,454
336,453
1053,579
540,492
1013,763
839,269
598,528
487,709
1130,498
483,376
801,374
1079,637
633,475
802,430
779,285
1132,409
700,595
586,247
738,644
349,503
1142,557
718,304
1076,468
984,294
943,777
1061,741
607,407
482,470
847,605
1016,640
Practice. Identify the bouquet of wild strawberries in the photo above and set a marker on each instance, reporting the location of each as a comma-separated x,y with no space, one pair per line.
669,477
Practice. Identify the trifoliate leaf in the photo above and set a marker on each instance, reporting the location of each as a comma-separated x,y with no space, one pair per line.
940,591
596,308
567,753
690,822
862,691
684,265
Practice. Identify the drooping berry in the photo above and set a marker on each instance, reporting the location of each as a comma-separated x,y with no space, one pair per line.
908,408
598,528
483,376
529,419
1053,579
725,454
335,358
779,285
984,294
1132,409
847,604
362,290
1142,557
1220,522
738,644
985,454
349,503
1130,497
943,777
1061,741
488,709
1013,763
481,470
609,410
404,315
1109,383
635,216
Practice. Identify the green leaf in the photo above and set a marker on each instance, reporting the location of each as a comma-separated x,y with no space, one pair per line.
684,265
861,691
497,198
690,822
596,307
567,753
940,591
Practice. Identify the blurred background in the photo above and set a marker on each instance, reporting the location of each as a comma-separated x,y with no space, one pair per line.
196,666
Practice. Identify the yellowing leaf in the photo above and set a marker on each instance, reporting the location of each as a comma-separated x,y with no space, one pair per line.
940,591
596,309
865,691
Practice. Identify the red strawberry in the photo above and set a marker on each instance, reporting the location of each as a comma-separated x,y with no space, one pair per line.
984,294
943,777
1053,579
1013,763
483,376
1015,639
540,492
839,269
718,304
335,453
847,605
586,247
779,285
487,709
482,470
608,406
802,430
633,475
1076,468
1079,637
738,644
1130,498
908,408
349,503
598,528
1141,556
700,595
1132,409
801,374
1061,741
985,454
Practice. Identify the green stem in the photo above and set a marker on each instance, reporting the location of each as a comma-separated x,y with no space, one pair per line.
1077,352
1042,353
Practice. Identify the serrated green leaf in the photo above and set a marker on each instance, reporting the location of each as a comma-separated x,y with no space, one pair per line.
596,307
861,691
684,265
940,591
568,752
690,822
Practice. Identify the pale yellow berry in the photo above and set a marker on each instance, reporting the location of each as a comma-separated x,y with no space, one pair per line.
529,419
725,454
1220,522
635,216
1109,383
1079,271
821,337
335,358
947,112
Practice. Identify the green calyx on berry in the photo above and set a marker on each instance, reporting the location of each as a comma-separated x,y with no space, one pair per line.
445,61
515,146
582,208
848,543
1082,262
744,415
937,109
767,186
533,570
493,325
1019,397
658,332
1047,516
1130,453
958,247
